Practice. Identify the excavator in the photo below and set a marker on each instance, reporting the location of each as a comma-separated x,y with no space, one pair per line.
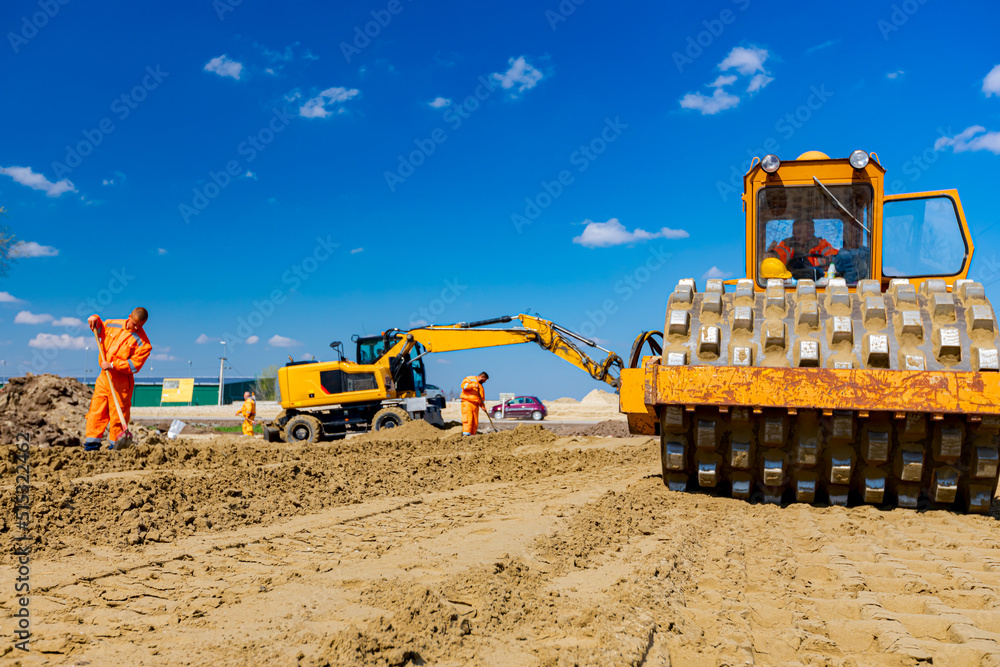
855,362
384,387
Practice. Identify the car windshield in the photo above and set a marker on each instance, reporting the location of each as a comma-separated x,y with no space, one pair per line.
805,232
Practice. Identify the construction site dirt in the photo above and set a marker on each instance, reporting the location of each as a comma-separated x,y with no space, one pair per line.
414,545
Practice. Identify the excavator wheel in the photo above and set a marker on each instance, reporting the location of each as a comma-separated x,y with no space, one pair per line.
784,454
303,429
389,418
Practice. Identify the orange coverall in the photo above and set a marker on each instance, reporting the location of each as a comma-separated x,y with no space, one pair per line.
249,411
127,351
473,398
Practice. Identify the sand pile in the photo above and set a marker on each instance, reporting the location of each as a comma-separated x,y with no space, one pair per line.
51,410
608,428
600,397
412,430
160,490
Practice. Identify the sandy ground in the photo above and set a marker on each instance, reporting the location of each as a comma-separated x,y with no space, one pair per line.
416,546
597,406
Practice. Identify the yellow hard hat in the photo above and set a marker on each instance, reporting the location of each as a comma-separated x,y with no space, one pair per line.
772,267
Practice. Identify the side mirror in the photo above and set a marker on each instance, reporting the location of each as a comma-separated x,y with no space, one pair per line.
335,344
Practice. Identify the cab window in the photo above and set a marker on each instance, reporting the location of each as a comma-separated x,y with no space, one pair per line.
922,236
810,232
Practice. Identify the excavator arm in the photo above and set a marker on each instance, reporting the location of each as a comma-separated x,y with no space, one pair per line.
549,336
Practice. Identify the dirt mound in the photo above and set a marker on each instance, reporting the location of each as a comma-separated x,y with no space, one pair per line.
608,428
52,410
565,400
601,397
413,430
614,429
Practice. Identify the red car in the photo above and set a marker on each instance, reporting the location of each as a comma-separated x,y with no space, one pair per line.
521,407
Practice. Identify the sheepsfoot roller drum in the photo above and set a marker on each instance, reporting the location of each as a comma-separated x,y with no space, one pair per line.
848,381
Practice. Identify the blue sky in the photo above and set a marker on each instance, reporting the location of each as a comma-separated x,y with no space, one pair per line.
267,171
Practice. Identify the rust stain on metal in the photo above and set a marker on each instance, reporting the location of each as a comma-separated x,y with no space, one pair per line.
824,388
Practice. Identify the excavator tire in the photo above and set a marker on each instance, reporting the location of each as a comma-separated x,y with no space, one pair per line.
840,457
389,418
303,429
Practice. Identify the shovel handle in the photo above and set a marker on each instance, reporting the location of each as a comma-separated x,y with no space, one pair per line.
114,394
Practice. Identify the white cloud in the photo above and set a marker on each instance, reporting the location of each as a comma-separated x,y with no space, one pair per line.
28,317
747,62
320,106
203,339
223,66
418,323
442,360
716,272
974,138
357,250
44,341
25,176
161,251
162,356
720,100
32,249
895,75
521,74
252,340
991,84
67,322
440,102
250,175
612,233
281,341
7,297
723,80
759,81
118,177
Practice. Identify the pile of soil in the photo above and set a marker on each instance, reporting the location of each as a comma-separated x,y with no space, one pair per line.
160,490
417,429
49,409
609,428
601,397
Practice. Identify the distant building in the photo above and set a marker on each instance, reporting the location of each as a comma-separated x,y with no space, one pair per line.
206,391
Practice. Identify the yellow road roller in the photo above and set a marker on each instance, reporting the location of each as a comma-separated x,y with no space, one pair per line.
855,362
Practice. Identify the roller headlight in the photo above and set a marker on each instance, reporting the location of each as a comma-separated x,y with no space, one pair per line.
770,163
859,159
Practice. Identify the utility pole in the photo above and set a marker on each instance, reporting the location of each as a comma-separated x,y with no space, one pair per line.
222,371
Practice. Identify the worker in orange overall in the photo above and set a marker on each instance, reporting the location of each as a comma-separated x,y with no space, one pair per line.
473,398
248,412
124,349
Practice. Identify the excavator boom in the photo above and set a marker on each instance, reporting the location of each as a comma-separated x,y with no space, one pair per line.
384,388
548,335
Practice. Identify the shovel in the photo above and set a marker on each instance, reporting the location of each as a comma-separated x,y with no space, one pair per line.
126,437
491,420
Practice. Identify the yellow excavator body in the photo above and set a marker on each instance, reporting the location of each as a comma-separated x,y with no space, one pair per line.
385,386
855,362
